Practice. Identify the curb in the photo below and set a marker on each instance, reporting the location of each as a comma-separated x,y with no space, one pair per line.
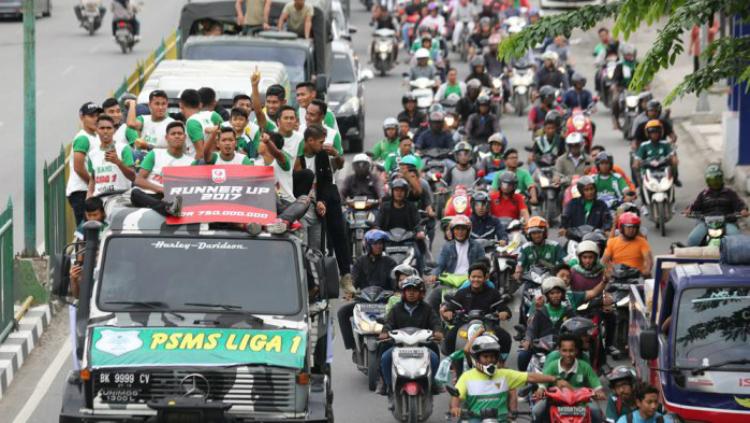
19,344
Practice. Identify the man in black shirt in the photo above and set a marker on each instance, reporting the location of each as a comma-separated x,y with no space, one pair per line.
716,200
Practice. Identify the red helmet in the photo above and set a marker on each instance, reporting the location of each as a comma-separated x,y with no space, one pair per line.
629,218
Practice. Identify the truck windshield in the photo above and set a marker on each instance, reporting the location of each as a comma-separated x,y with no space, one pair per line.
342,71
293,59
712,326
257,276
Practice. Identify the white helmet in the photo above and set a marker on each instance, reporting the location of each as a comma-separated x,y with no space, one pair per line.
422,53
362,157
550,55
552,282
390,122
587,247
574,138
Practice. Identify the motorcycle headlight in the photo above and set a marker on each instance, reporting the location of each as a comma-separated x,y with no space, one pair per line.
665,184
543,181
351,106
360,205
521,89
460,204
383,48
631,101
497,83
449,120
715,233
578,123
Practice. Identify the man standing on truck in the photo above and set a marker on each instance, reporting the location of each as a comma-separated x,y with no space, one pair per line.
82,143
254,17
629,248
306,93
152,127
316,111
298,18
198,123
110,165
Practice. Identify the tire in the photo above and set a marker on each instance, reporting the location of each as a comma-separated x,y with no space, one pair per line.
124,48
662,218
412,406
372,370
357,250
355,145
518,103
92,30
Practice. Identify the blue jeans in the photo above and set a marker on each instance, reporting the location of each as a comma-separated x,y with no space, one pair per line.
700,231
524,357
386,362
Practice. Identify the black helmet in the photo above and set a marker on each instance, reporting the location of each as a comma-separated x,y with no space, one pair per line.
408,97
483,100
399,183
547,93
476,61
553,116
577,326
509,178
583,181
621,373
653,106
479,197
603,157
578,78
412,282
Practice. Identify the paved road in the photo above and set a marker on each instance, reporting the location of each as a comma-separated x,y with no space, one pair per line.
40,382
72,68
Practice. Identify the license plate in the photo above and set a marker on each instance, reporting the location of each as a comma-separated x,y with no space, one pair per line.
122,387
411,352
571,411
371,308
397,249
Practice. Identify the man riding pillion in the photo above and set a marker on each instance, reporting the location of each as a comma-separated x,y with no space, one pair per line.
423,68
417,120
400,213
463,173
715,200
362,182
482,124
458,254
372,269
483,224
486,386
390,141
621,401
494,161
575,162
587,209
436,136
539,249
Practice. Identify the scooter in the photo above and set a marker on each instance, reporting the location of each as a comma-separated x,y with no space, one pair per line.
434,168
90,14
569,405
384,51
359,216
369,307
422,90
458,203
629,113
580,121
607,78
401,246
550,200
522,77
412,375
506,257
124,35
623,277
716,225
532,288
657,186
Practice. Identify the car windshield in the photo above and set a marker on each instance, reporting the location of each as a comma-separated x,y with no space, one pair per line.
293,59
342,70
169,272
712,326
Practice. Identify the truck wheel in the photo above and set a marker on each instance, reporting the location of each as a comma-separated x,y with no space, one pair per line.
413,409
372,370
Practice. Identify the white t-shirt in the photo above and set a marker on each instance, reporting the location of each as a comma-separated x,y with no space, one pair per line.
155,133
462,264
120,136
159,158
292,143
82,143
107,176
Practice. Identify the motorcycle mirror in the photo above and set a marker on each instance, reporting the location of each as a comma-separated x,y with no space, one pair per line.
405,74
452,391
528,148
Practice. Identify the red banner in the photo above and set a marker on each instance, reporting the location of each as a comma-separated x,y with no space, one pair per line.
222,193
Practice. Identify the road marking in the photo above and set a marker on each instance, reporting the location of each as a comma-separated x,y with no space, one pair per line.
45,382
67,70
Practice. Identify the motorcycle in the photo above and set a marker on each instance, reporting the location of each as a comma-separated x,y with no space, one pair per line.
532,288
716,225
505,257
369,307
569,405
384,51
580,121
124,35
90,14
623,277
549,199
458,203
658,194
607,77
496,96
422,90
463,47
400,246
434,168
629,113
412,375
522,77
540,348
359,216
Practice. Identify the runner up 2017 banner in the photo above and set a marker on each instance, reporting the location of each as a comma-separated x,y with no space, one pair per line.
222,193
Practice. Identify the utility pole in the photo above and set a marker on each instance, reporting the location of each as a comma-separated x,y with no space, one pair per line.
29,128
702,105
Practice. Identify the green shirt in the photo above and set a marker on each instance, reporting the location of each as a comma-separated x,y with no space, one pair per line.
580,376
480,392
393,159
196,125
555,356
650,150
452,89
385,147
525,181
550,252
587,206
612,184
237,159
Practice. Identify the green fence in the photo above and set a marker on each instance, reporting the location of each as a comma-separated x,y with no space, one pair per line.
6,272
58,220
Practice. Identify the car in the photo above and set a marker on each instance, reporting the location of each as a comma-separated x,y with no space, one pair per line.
14,8
568,4
346,95
341,28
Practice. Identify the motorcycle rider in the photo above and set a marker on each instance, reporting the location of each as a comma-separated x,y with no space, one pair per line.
457,254
606,46
483,224
124,10
621,79
362,182
653,111
478,38
463,173
716,199
538,113
423,68
436,136
410,312
389,144
372,269
549,74
587,209
505,201
575,162
468,103
577,372
463,14
478,72
417,120
577,96
609,182
482,124
525,184
614,168
656,148
588,272
398,212
539,249
629,248
434,20
405,148
622,380
494,161
550,142
581,328
451,86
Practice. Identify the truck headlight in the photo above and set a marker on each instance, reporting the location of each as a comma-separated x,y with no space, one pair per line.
350,107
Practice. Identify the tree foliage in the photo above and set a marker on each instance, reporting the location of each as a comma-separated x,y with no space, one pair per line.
726,57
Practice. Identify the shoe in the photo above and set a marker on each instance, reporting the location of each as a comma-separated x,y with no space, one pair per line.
174,208
391,404
381,389
437,389
613,352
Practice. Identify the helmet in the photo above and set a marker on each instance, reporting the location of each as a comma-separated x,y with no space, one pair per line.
653,106
499,138
485,344
485,21
583,181
427,36
577,326
410,160
629,207
374,235
574,138
550,55
603,157
460,220
399,183
403,269
629,219
578,78
621,373
509,178
476,61
714,176
627,49
483,100
480,197
412,282
422,53
437,116
361,164
646,95
536,224
408,97
462,146
653,125
390,122
474,84
597,237
587,247
551,282
547,91
553,116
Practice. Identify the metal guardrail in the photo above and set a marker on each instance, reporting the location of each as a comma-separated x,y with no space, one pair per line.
58,217
168,49
7,321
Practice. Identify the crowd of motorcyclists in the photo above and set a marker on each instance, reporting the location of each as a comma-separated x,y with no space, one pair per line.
444,169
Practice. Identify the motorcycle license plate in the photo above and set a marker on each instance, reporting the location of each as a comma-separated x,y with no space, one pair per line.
397,250
371,308
410,352
122,387
572,411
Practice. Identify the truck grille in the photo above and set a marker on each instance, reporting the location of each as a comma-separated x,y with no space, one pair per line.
259,389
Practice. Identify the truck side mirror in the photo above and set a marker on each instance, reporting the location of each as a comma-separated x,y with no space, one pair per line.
331,278
649,344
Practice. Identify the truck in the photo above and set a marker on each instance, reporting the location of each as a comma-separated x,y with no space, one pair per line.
689,336
198,322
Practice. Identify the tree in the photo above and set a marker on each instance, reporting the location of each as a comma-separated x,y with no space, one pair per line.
729,56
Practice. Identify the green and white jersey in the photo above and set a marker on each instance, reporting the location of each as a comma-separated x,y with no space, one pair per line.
154,132
107,176
82,143
332,138
237,159
329,119
250,140
292,143
122,135
481,392
196,126
157,159
270,123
